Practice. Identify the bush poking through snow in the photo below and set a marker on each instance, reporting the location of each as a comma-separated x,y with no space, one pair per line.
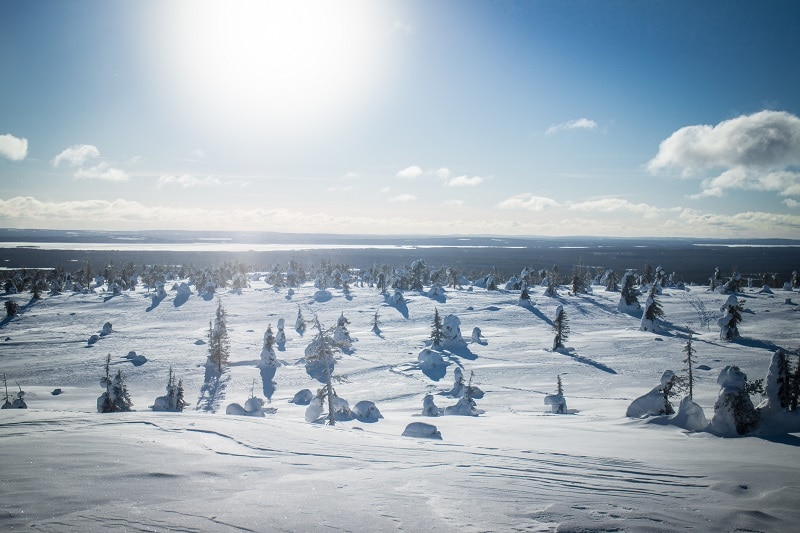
429,407
302,397
19,399
656,402
557,402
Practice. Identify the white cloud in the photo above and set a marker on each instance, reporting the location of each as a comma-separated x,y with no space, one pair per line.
453,203
410,172
465,181
443,173
351,175
528,202
577,124
101,171
791,203
187,181
402,198
13,148
619,205
76,155
754,152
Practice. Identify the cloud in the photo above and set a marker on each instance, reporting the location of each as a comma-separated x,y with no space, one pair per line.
577,124
13,148
76,155
791,203
351,175
618,205
443,173
101,171
528,202
753,152
187,181
402,198
410,172
465,181
453,203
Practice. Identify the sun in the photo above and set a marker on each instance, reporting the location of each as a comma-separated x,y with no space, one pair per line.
286,65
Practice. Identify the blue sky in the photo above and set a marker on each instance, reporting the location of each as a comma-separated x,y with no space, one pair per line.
617,118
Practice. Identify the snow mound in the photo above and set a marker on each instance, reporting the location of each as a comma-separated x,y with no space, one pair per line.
252,407
557,403
765,290
136,360
653,403
421,430
429,407
690,416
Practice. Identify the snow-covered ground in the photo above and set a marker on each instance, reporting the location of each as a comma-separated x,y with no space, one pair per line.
517,466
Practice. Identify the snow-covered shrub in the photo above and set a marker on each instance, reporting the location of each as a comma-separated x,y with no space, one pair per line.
341,336
280,337
107,329
300,323
268,357
477,336
430,358
734,413
18,401
429,408
656,402
254,406
557,402
652,311
421,430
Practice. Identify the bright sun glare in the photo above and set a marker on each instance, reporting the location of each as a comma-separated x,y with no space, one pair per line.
289,65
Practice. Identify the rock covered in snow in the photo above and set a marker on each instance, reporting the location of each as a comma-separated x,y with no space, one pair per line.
430,358
366,411
421,430
302,397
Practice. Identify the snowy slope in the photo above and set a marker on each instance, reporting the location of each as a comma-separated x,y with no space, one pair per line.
515,467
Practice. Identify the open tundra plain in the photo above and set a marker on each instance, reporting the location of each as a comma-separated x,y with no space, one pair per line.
515,467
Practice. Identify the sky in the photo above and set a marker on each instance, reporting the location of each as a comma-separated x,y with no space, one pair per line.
539,118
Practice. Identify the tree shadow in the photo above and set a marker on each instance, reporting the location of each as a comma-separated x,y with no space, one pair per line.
755,343
316,369
156,300
267,382
570,352
401,307
180,299
786,438
535,310
462,351
213,390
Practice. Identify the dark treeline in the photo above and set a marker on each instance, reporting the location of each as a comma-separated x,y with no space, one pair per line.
691,264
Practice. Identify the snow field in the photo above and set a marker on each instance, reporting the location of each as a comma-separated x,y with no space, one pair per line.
515,467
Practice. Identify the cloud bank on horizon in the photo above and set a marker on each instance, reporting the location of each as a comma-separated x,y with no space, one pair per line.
403,128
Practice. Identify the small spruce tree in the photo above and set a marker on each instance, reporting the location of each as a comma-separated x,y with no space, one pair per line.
437,330
218,340
560,327
688,349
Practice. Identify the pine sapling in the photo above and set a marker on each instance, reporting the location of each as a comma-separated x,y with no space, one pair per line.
437,330
688,349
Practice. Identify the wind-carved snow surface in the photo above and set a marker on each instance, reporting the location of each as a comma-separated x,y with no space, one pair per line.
66,467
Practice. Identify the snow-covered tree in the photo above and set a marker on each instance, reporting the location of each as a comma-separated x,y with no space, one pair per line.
552,282
561,328
611,281
341,336
652,311
418,272
376,327
280,337
173,400
466,405
689,350
557,402
657,401
321,351
116,397
12,308
628,301
734,413
429,408
218,340
437,331
300,323
732,316
268,357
